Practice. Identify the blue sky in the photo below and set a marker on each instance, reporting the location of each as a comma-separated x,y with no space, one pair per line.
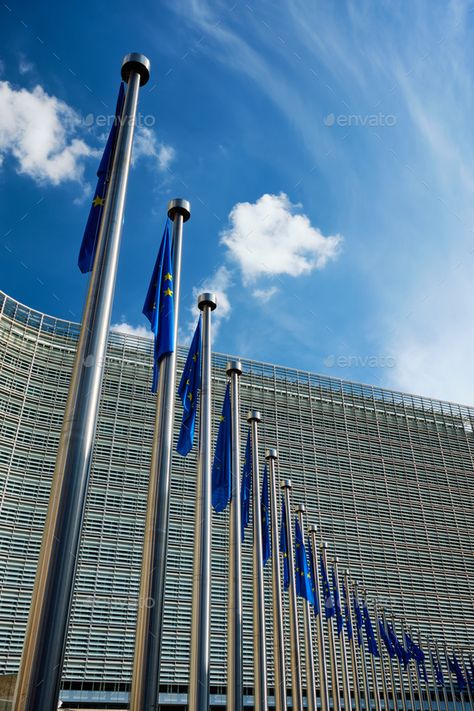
327,150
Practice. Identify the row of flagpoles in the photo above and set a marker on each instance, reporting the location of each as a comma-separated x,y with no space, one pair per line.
219,485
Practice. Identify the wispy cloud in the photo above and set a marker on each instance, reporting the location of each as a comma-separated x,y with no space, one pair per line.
147,145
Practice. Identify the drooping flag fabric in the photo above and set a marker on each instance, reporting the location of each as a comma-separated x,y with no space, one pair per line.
415,652
369,631
188,390
246,487
328,602
159,304
400,651
91,232
358,619
349,630
302,574
221,467
284,547
438,672
454,668
337,603
314,587
384,637
265,513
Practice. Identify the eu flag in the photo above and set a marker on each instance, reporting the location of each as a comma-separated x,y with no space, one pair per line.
402,654
328,603
284,547
455,669
337,603
221,468
369,631
265,511
159,304
437,669
302,574
415,652
314,586
359,620
89,240
188,389
349,630
384,637
246,487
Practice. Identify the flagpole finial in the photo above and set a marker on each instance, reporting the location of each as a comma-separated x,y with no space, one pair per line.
286,484
324,546
253,416
335,559
136,62
234,366
181,207
313,528
207,299
271,453
347,571
300,507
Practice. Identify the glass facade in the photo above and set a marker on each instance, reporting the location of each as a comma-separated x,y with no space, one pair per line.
387,477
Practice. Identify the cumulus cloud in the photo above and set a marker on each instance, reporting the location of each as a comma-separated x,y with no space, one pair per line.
219,284
130,330
36,129
265,294
269,237
146,145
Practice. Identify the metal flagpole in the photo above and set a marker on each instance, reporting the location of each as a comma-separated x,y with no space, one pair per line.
40,670
323,672
201,592
373,669
297,693
433,673
451,686
392,678
336,691
278,629
420,687
355,667
410,681
382,667
259,653
342,648
466,676
308,636
234,609
363,662
144,693
461,692
445,695
400,675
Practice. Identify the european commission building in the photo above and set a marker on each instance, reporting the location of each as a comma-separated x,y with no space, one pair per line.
387,477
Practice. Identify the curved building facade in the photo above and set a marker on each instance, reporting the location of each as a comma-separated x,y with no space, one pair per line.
387,477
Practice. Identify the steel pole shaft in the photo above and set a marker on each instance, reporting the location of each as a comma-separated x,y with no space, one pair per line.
144,693
39,676
342,648
297,692
355,668
234,611
201,592
260,657
375,682
336,691
363,663
308,637
278,628
323,672
392,674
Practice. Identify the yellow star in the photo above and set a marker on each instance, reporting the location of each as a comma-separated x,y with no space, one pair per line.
195,357
222,418
168,292
168,277
190,396
98,201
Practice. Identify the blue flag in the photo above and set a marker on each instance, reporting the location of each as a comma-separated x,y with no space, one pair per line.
347,612
384,637
302,574
455,669
328,603
221,467
369,631
284,547
314,587
188,389
246,487
91,233
415,652
359,620
337,603
159,304
438,672
402,654
265,511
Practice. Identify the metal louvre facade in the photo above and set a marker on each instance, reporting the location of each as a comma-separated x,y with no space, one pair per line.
388,478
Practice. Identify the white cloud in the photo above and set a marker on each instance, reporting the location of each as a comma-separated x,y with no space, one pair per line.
24,66
218,283
147,145
268,237
35,129
130,330
265,294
